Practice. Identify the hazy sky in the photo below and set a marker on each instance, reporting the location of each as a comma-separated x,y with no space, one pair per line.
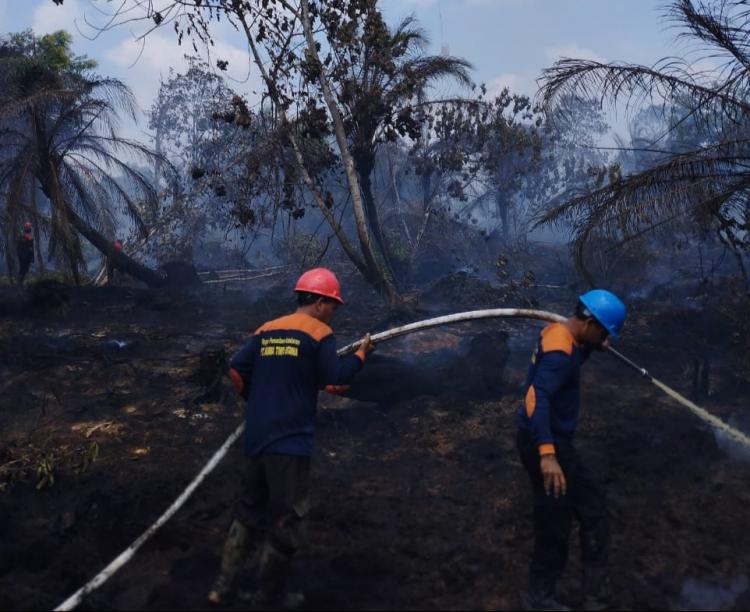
508,41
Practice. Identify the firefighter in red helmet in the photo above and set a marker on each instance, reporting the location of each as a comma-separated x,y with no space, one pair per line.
279,371
116,248
25,252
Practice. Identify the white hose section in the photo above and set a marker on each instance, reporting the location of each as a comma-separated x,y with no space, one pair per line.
704,414
130,551
74,600
472,315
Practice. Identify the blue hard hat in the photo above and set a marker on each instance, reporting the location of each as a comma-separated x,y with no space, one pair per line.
606,308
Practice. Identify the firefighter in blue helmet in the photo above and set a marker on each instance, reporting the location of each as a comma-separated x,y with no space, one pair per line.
562,486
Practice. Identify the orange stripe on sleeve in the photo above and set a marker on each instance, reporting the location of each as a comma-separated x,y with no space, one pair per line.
336,389
530,401
546,449
237,382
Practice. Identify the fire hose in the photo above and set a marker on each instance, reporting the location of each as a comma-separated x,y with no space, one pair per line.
701,413
74,600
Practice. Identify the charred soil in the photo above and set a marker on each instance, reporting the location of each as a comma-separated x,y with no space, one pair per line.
114,398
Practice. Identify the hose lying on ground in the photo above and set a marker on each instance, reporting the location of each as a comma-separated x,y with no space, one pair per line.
129,552
232,271
701,413
242,279
74,600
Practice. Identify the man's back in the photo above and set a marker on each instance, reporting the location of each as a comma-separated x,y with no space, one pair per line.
282,367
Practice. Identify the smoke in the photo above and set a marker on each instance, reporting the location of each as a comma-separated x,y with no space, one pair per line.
704,595
437,364
739,452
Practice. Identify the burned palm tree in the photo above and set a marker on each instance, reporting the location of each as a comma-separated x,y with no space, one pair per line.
58,126
706,180
306,52
382,86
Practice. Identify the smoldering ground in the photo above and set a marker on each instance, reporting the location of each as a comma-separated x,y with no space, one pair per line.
419,497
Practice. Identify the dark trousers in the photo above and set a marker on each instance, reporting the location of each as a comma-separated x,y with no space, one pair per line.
23,269
276,500
585,501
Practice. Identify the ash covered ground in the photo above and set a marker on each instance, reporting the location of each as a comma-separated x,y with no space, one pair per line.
113,399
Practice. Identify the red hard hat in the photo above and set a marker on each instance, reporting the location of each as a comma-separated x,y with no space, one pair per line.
320,281
27,226
118,245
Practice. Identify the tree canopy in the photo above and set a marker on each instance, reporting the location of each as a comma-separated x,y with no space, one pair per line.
59,128
709,180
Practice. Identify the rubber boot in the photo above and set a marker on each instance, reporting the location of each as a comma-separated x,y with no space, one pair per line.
541,601
235,547
540,593
272,575
596,588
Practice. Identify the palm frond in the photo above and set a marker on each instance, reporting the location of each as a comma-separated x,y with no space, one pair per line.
637,85
428,68
13,106
111,188
709,184
722,27
83,191
410,36
714,178
66,126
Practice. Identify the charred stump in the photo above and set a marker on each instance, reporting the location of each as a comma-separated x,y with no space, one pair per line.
701,388
180,274
212,366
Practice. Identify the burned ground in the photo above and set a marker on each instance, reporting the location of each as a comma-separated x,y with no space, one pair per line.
420,501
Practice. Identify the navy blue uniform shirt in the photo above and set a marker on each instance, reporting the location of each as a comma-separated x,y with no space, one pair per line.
552,400
279,371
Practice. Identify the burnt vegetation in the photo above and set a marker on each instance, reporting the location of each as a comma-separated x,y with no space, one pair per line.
359,150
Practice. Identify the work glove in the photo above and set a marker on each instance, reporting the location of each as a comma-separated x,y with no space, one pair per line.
336,389
365,348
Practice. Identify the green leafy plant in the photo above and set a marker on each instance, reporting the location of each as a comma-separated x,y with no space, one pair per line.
45,472
89,456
